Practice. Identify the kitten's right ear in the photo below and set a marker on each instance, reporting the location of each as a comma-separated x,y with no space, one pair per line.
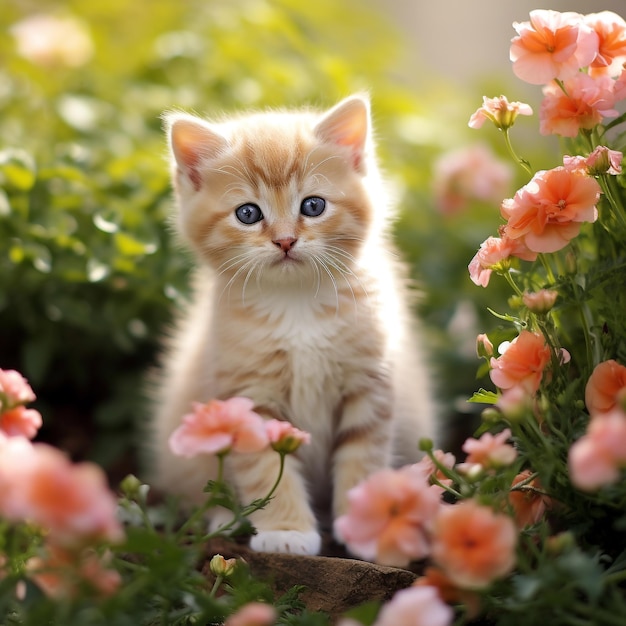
192,141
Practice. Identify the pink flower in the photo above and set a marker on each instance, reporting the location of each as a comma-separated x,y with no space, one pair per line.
597,457
417,606
552,45
389,516
490,451
515,403
473,545
611,31
500,111
49,40
547,212
449,592
284,437
431,471
253,614
584,103
20,422
470,173
14,390
218,427
541,301
619,88
522,363
71,502
601,161
606,388
62,574
491,255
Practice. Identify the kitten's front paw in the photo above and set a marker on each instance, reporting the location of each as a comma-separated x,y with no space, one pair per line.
287,541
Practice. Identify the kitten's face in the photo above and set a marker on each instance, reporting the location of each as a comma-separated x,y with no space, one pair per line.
275,196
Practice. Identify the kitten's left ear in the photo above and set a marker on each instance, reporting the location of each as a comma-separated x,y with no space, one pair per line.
347,124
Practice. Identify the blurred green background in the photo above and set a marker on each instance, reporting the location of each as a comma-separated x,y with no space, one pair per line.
90,273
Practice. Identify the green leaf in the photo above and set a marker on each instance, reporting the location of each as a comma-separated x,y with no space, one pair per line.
482,396
17,169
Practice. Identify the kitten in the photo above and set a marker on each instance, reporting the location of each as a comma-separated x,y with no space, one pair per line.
298,304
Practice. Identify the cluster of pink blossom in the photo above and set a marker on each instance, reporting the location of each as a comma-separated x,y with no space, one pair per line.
468,174
70,503
219,426
598,457
396,516
543,216
580,60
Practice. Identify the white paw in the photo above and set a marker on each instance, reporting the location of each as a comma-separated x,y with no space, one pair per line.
287,541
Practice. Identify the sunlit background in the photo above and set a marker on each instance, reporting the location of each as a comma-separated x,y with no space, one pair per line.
89,272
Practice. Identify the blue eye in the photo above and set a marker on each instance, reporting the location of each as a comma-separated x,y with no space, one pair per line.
313,206
249,214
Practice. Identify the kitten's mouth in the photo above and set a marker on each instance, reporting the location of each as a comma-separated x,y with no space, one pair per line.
287,259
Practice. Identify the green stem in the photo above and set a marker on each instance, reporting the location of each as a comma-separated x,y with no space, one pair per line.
201,511
251,508
216,585
512,283
607,188
548,268
523,162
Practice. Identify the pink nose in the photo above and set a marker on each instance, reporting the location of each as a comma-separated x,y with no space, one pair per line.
285,244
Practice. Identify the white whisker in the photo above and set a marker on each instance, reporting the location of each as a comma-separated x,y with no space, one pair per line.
332,278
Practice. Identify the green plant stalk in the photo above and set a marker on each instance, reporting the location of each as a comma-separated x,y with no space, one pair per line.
523,162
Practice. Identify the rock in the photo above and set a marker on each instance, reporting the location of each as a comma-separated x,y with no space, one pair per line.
333,585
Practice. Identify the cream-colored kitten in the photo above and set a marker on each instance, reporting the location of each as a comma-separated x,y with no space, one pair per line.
297,305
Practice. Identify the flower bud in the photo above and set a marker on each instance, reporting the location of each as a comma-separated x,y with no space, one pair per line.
285,438
484,347
220,566
540,302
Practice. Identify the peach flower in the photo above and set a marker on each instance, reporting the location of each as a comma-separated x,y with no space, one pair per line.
552,45
582,103
547,212
284,437
611,31
253,614
71,502
528,505
448,592
431,471
418,606
20,422
470,173
515,403
14,390
619,88
62,573
389,516
492,253
490,451
522,363
601,161
500,111
49,40
541,301
606,388
473,545
598,456
218,427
